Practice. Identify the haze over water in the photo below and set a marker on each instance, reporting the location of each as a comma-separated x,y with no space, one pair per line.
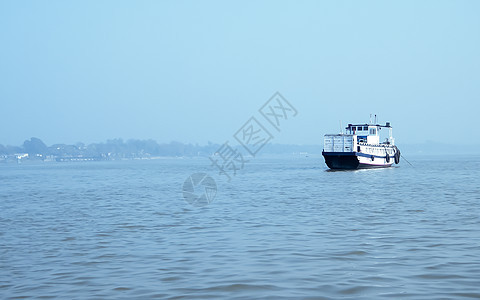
195,71
282,228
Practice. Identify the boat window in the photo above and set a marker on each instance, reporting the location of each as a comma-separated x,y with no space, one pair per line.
359,128
365,128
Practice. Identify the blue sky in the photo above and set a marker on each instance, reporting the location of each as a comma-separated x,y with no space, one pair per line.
196,71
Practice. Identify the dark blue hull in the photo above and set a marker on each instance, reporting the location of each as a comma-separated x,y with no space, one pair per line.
350,161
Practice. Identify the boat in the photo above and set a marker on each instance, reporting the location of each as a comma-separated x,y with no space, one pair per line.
360,148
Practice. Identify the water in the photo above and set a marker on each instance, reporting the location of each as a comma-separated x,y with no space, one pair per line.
283,228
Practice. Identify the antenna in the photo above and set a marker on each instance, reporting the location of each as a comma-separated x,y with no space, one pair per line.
341,127
370,118
375,119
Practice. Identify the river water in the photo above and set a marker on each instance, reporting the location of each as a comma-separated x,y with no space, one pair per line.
282,228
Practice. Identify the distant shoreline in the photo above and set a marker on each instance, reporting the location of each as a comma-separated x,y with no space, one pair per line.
35,149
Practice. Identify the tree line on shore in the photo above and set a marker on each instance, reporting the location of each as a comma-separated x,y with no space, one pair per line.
115,148
131,149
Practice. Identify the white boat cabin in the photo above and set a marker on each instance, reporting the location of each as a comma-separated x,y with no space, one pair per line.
360,138
369,133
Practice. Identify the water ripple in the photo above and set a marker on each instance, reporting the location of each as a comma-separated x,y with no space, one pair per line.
283,230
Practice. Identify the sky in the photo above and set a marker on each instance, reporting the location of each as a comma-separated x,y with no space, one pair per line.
196,71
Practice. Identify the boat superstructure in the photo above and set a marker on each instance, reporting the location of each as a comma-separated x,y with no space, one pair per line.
360,147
